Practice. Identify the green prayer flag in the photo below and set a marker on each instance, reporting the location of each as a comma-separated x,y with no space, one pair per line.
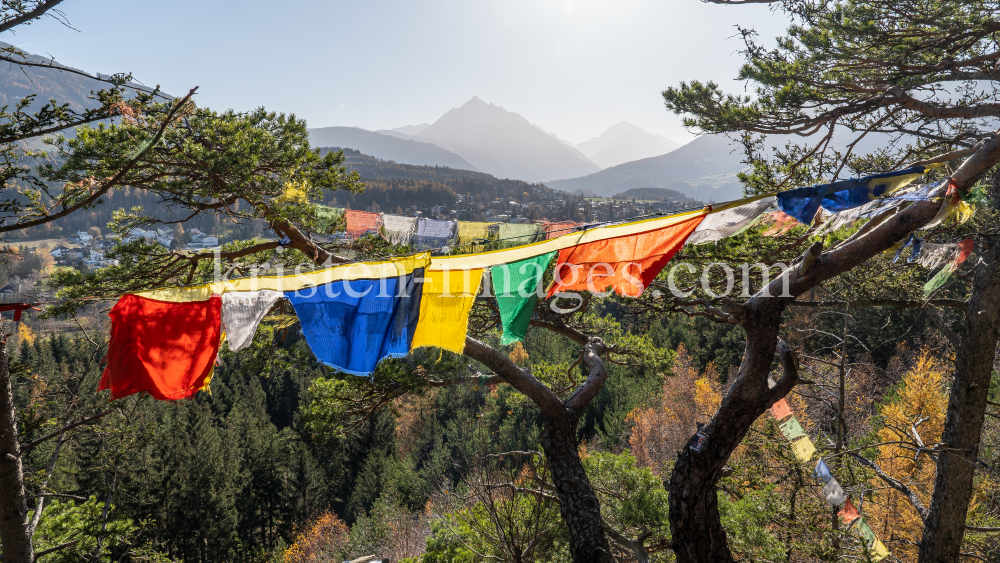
516,289
866,533
937,281
792,429
329,218
518,234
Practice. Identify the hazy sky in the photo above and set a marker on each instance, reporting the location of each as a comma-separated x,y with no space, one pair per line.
574,67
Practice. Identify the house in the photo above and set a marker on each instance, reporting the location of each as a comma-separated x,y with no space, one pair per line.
59,251
82,237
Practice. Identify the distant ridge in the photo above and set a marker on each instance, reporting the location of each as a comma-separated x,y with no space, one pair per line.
387,147
704,169
655,194
625,142
504,144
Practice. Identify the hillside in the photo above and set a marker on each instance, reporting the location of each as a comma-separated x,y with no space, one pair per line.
393,185
387,147
704,169
505,144
655,194
625,142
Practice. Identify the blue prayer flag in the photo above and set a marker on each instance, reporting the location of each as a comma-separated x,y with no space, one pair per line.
352,325
803,203
822,472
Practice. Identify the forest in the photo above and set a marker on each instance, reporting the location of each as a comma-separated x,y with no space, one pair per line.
839,401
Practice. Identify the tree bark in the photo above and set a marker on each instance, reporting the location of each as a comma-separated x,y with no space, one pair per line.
14,536
578,503
944,527
695,524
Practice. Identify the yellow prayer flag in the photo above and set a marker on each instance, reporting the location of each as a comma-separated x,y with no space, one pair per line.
879,551
804,449
444,308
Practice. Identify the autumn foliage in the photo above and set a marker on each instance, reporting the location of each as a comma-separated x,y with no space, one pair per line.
320,542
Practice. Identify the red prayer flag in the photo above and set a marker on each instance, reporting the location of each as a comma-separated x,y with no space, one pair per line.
555,229
780,409
964,250
360,223
626,264
783,223
848,513
166,349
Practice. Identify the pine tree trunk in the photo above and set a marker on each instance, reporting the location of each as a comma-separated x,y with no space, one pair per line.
578,503
963,426
14,537
698,535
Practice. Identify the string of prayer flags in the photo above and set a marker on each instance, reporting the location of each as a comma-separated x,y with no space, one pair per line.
822,472
242,312
518,234
361,223
435,233
835,495
352,325
792,429
626,264
780,409
727,221
444,308
803,449
942,277
803,203
398,230
329,219
165,349
516,288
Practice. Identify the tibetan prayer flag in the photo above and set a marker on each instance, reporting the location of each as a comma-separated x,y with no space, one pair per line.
804,449
626,265
434,233
783,223
792,429
942,277
242,311
848,513
444,308
470,232
329,219
879,551
866,533
397,229
558,228
834,493
803,203
519,234
728,222
165,349
932,254
361,223
516,288
822,472
351,325
780,409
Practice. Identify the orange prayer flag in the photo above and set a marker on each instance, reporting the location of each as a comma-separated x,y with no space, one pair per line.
555,229
848,513
360,223
626,264
780,409
783,223
166,349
